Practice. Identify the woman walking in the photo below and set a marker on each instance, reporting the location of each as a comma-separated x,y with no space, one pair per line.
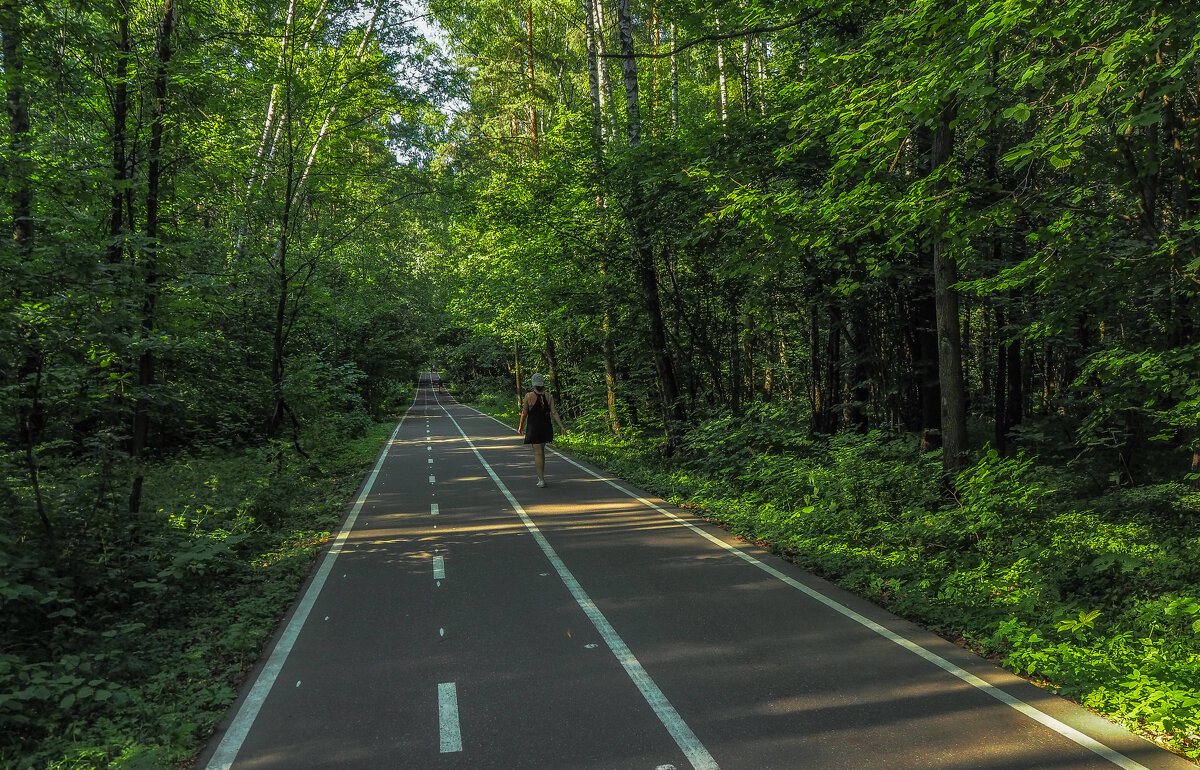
536,415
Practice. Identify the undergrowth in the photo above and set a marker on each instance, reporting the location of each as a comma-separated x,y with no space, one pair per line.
1092,593
128,650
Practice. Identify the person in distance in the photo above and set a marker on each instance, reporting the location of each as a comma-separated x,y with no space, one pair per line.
536,415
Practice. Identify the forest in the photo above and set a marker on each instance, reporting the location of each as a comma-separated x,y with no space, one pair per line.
905,291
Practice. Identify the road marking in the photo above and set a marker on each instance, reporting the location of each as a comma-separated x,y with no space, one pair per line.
431,461
451,734
439,568
1063,729
432,479
433,509
239,728
678,729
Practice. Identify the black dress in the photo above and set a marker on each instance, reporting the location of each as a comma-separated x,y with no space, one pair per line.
538,429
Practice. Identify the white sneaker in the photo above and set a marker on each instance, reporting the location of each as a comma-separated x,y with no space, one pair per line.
541,482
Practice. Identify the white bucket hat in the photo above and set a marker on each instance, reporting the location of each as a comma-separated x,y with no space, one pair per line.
538,381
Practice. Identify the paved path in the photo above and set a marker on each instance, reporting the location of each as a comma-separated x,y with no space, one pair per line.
465,618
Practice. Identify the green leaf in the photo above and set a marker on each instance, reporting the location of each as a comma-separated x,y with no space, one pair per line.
1019,112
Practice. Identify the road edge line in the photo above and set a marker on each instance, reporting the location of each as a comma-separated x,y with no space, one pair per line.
235,735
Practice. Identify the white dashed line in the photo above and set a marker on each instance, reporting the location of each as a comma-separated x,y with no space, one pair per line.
451,734
433,509
439,568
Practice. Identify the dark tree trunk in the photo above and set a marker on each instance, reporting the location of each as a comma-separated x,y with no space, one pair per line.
860,373
20,174
672,408
735,355
141,410
610,376
925,365
945,275
552,365
117,227
815,400
833,372
30,412
1000,388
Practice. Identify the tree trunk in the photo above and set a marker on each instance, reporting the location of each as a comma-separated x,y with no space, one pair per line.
816,402
722,86
120,157
30,412
747,86
594,94
1000,387
605,82
945,275
552,367
610,376
674,82
20,174
639,237
141,409
533,119
762,77
924,352
859,370
597,102
833,372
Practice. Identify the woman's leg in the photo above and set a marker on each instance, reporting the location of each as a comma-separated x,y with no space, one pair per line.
539,460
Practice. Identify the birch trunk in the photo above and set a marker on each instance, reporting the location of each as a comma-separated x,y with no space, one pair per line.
722,86
606,85
762,77
674,82
279,261
747,85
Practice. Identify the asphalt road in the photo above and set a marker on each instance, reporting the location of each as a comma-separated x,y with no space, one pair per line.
465,618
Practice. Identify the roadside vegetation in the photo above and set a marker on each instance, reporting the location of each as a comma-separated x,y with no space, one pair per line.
129,649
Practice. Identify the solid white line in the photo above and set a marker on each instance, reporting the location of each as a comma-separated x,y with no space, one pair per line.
1063,729
451,733
239,728
670,718
439,568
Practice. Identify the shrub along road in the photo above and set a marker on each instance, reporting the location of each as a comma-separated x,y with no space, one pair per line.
466,618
